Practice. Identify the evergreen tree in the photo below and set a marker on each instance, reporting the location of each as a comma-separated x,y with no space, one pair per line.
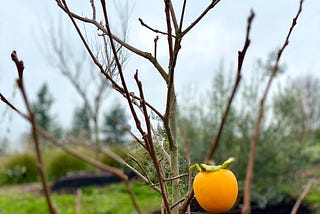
41,108
115,125
81,123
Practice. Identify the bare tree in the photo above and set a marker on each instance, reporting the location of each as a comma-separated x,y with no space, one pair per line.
175,32
75,65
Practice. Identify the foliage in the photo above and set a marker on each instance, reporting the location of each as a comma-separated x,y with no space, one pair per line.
41,108
81,123
18,168
94,200
312,152
4,143
279,154
121,151
60,163
313,197
296,106
116,125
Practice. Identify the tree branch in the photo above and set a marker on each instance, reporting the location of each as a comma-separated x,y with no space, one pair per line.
182,14
149,143
173,16
246,209
112,155
143,54
241,55
169,31
155,46
197,20
118,64
31,118
186,202
150,28
302,196
93,9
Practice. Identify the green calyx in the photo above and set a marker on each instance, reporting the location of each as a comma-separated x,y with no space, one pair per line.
211,168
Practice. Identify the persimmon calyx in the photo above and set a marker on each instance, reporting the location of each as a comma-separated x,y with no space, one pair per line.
211,168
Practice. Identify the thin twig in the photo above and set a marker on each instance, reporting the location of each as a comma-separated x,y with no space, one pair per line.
241,55
150,28
123,82
177,202
173,16
176,177
148,139
135,100
3,99
110,154
302,196
198,19
155,46
186,202
31,117
140,142
246,209
93,9
100,26
150,183
62,4
182,14
169,30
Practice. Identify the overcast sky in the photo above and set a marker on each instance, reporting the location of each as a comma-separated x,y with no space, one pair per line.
219,36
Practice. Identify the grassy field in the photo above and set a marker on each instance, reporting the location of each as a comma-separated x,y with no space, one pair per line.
26,199
95,200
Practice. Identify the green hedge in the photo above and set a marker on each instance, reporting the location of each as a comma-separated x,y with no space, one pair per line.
59,163
18,168
21,167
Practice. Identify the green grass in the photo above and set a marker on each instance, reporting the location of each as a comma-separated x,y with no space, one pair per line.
95,200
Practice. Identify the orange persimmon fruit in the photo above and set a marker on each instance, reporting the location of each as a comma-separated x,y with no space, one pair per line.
216,191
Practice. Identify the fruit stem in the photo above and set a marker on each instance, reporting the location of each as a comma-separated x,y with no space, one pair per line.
211,168
227,163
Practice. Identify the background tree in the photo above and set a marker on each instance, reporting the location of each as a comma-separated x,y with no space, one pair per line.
281,153
81,123
42,110
296,106
80,71
4,142
116,125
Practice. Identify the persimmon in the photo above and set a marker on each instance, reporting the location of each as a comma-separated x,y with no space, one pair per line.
215,187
